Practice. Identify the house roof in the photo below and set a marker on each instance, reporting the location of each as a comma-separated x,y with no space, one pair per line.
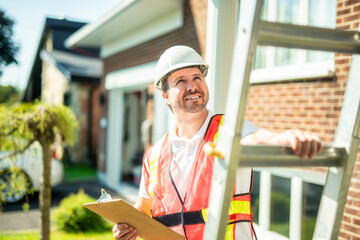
129,16
61,29
73,64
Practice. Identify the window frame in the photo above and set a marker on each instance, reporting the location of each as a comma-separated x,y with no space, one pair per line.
301,69
297,177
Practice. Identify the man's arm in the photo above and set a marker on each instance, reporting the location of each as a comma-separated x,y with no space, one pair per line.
123,231
143,205
304,144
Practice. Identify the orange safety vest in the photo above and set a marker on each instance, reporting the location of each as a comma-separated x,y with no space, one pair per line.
188,216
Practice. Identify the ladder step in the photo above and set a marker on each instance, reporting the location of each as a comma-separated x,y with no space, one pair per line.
283,156
311,38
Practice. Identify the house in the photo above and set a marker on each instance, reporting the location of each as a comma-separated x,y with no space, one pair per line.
70,77
290,89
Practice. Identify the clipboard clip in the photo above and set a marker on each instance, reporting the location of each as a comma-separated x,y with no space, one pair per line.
104,196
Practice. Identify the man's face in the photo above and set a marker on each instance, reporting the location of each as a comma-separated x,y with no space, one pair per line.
188,91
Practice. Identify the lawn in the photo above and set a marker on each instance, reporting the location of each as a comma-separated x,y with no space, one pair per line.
55,235
75,172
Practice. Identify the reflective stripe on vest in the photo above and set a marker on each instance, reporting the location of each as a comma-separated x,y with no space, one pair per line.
217,133
153,162
239,210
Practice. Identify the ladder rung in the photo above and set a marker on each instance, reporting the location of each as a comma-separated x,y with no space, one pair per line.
305,37
283,156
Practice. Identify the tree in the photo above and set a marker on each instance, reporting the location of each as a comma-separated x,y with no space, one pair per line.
9,94
22,125
8,49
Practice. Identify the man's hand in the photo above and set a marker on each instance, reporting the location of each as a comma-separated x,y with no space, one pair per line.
123,231
304,144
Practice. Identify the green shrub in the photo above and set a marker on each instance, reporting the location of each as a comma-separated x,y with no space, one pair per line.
73,217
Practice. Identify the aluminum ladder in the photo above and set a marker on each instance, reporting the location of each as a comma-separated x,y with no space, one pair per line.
339,157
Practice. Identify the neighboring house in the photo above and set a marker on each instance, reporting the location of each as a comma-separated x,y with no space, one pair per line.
290,89
70,77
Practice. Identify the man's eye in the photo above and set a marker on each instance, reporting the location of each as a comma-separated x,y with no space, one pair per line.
180,81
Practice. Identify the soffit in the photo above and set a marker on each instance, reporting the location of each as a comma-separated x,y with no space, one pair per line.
125,18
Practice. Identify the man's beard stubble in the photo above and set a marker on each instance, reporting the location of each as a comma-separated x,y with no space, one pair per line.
195,107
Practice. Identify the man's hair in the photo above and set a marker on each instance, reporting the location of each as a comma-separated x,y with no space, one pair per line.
165,85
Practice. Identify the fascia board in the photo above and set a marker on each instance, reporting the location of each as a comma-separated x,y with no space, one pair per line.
131,77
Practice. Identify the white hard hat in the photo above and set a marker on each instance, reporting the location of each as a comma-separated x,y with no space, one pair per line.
174,58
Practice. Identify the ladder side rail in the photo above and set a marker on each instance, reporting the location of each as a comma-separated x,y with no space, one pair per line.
263,155
311,38
224,170
335,191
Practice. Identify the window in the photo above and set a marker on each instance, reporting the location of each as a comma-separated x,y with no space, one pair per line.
285,202
311,202
255,196
274,63
280,205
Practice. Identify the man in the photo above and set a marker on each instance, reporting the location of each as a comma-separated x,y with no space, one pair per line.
176,176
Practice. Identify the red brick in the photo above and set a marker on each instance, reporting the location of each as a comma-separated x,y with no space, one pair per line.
343,12
356,203
355,25
352,211
344,236
356,221
350,2
346,26
346,219
350,228
351,18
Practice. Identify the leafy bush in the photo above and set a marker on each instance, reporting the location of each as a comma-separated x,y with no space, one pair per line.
73,217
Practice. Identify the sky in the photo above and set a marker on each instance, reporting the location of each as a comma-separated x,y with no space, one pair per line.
29,17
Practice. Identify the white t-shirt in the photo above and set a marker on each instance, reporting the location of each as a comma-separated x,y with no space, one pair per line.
183,154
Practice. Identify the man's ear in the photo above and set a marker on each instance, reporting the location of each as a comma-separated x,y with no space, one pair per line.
165,97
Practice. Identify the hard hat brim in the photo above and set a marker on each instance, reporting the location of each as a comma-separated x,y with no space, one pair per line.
165,74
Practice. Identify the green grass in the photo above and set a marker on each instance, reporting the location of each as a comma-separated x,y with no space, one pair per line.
55,235
79,173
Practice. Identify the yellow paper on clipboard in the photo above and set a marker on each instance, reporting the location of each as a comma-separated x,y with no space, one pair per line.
118,211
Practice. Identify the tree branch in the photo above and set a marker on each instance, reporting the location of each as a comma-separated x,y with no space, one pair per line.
11,154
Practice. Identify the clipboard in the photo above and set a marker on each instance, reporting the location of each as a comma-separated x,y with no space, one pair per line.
118,211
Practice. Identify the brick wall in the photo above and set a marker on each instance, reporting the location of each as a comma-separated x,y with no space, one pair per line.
348,17
314,106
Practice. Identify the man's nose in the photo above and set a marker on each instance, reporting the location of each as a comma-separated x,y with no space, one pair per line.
190,86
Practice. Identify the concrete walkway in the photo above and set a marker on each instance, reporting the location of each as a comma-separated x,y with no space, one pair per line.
18,220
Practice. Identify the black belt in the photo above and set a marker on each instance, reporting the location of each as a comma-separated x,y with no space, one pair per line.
174,219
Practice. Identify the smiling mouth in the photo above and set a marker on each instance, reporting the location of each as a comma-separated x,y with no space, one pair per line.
192,98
